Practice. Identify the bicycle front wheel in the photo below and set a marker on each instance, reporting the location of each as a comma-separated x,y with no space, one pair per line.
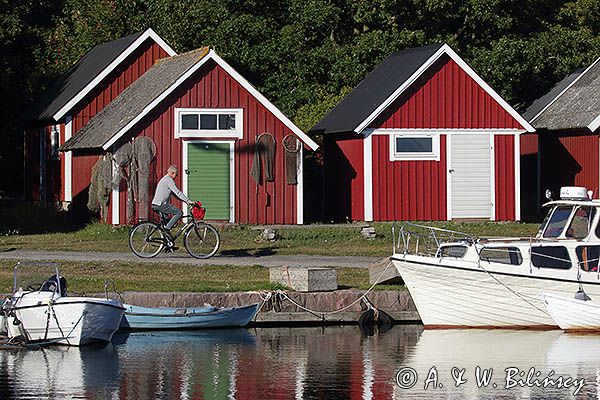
202,240
146,240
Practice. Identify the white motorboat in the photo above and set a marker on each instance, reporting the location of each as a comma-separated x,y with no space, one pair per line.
458,280
43,313
574,313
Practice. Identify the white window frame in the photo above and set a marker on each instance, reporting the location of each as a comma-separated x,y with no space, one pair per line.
433,155
238,132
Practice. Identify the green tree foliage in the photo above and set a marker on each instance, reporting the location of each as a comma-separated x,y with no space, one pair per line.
305,55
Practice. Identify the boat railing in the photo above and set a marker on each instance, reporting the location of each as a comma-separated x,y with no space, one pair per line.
109,283
425,240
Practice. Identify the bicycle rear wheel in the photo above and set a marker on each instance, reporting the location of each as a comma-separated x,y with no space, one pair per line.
202,240
146,240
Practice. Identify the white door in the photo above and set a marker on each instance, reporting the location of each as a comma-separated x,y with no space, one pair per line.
470,171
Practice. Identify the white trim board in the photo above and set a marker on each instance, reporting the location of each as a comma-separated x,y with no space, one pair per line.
563,92
68,161
416,131
211,55
300,189
368,177
445,49
115,196
184,179
149,33
595,124
517,153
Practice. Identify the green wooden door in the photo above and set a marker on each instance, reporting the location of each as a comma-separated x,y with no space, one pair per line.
208,178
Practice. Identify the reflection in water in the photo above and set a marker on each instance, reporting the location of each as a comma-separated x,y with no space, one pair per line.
298,363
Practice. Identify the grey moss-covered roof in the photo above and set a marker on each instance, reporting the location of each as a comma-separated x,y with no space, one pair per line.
372,91
133,100
577,107
61,91
539,104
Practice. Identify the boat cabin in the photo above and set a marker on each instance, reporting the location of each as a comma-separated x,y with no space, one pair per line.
571,217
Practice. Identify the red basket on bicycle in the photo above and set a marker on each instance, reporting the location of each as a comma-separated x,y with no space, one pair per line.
198,211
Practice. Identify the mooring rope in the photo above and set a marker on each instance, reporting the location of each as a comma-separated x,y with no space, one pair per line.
519,295
267,296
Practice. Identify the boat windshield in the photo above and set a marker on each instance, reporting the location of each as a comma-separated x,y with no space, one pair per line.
31,275
581,222
556,220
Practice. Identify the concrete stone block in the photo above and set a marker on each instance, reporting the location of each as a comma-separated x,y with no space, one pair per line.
302,279
368,232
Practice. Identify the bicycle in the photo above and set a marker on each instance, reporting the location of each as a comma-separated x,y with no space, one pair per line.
201,240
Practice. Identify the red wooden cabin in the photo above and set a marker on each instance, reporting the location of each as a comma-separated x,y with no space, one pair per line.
567,120
205,118
422,137
69,103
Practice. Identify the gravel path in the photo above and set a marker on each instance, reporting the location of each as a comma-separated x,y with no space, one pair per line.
267,260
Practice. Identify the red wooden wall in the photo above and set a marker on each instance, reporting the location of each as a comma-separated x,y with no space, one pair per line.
212,87
32,189
530,195
446,97
408,190
569,159
344,178
504,162
132,68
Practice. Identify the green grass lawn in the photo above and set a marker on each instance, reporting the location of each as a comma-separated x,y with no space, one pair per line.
313,239
89,277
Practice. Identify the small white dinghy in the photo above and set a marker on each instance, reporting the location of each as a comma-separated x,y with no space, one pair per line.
578,313
41,312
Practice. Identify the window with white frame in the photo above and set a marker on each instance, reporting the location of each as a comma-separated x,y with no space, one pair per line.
209,122
410,146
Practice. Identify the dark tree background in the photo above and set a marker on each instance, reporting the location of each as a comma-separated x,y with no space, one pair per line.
304,55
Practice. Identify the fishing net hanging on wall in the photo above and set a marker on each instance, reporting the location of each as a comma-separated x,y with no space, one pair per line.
292,147
264,152
144,152
100,187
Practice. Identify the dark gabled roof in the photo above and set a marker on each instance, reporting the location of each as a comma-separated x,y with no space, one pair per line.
541,103
372,91
61,91
133,100
577,107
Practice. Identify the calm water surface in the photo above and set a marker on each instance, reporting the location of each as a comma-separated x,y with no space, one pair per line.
308,363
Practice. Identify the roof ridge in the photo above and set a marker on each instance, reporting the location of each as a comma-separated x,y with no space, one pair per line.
203,51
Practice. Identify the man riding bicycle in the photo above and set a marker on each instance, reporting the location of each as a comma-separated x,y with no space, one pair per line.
161,201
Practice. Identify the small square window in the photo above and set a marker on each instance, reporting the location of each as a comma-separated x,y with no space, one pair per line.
208,121
414,145
226,121
189,121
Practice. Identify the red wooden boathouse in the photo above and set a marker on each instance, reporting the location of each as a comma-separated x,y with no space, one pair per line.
206,118
69,103
422,137
567,120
